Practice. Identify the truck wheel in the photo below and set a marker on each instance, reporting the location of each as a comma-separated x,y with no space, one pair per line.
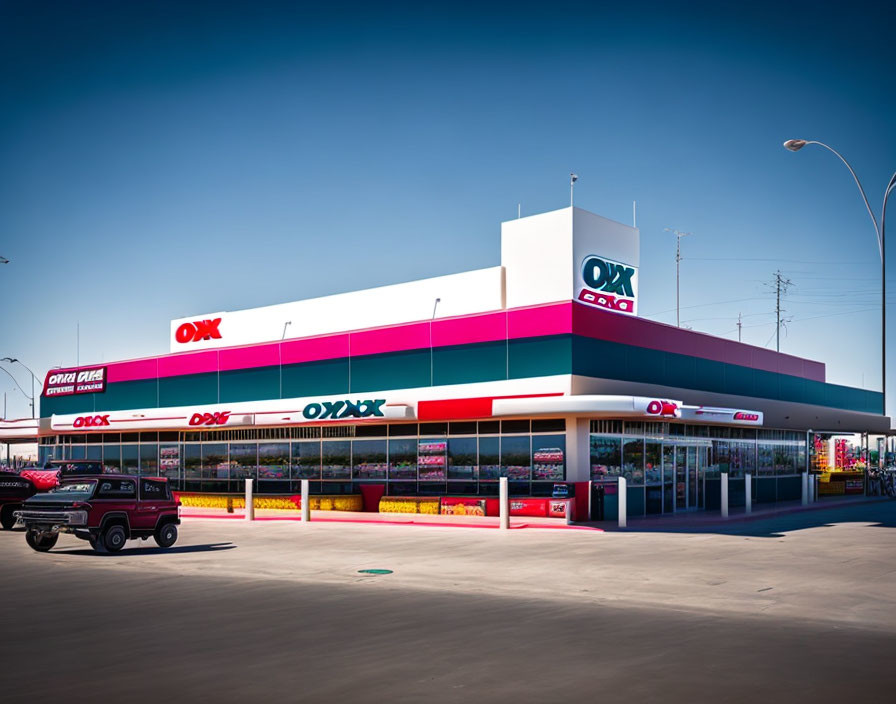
7,520
40,541
114,538
166,535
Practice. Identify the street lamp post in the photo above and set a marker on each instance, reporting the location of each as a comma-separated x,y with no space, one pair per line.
13,360
795,145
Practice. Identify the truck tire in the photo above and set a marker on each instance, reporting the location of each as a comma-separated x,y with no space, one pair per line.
40,541
7,520
114,537
166,535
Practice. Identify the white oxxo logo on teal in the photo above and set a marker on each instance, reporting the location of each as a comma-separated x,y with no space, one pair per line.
337,410
609,284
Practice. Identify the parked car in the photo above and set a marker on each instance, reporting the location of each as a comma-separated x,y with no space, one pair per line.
14,490
107,510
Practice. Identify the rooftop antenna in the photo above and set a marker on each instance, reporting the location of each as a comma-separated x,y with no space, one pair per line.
519,208
678,235
287,323
572,180
739,326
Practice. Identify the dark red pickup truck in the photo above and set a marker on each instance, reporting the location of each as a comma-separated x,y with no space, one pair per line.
107,510
14,490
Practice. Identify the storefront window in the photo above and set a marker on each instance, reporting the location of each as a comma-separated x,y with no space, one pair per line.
94,452
214,460
129,459
149,459
653,463
431,459
306,460
402,458
606,457
369,459
515,458
336,459
668,478
633,461
169,461
273,460
489,458
463,461
549,457
192,459
243,460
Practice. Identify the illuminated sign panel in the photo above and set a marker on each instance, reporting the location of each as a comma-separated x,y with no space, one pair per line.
81,381
609,285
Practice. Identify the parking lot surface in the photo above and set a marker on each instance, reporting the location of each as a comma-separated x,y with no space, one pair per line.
792,608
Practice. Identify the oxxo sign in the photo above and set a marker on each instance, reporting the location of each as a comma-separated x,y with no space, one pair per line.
97,421
609,284
666,409
83,381
198,330
217,418
337,410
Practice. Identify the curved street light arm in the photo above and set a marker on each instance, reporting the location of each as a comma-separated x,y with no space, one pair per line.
861,190
30,398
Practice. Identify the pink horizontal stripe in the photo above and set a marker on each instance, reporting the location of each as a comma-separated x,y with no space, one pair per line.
536,321
616,327
248,357
392,339
552,319
132,371
490,327
188,363
312,349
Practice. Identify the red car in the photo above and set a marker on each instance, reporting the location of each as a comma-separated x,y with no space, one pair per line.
105,509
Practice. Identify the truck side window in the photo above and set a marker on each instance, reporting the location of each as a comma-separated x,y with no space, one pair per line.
153,489
117,489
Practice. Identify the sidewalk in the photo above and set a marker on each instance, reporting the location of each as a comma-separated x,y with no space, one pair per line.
697,519
404,519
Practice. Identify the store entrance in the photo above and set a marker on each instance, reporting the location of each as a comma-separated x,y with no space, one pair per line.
689,473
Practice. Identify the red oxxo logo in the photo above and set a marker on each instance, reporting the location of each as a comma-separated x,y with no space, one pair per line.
742,415
91,421
198,330
218,418
608,284
662,408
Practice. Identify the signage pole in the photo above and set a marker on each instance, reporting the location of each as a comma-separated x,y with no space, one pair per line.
306,502
250,506
503,503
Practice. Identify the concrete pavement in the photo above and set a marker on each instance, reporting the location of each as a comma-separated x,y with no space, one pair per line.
795,608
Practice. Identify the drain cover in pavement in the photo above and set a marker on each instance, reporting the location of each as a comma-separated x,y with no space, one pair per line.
375,571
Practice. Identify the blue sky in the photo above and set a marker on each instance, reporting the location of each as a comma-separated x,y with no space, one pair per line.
163,159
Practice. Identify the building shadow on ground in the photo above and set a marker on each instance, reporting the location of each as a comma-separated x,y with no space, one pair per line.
877,514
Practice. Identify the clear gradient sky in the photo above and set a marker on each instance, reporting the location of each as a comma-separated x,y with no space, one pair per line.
159,159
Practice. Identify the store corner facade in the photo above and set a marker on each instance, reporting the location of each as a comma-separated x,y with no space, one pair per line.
538,370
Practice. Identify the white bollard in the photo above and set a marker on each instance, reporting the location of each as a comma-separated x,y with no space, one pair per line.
748,492
250,506
504,503
622,500
569,503
724,499
306,502
804,493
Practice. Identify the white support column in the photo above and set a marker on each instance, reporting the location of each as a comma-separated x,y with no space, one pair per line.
504,503
724,500
804,494
748,492
622,501
250,506
306,502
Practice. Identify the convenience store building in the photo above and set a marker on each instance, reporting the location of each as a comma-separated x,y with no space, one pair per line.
538,369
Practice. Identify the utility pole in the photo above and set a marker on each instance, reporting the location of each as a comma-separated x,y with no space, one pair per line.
739,326
781,286
678,236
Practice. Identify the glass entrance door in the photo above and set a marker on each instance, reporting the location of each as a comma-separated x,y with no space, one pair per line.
689,469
